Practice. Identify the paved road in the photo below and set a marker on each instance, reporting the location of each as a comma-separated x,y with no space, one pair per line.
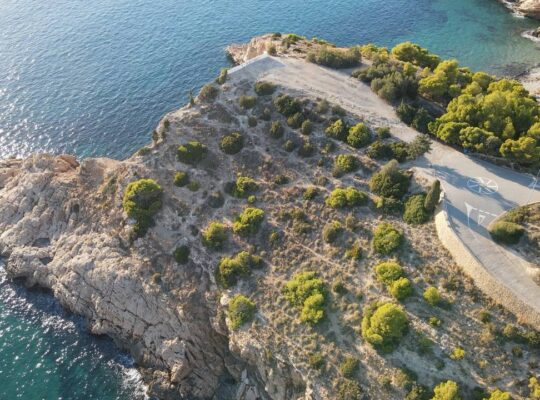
476,192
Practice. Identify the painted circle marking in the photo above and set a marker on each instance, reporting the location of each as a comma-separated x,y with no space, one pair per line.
482,185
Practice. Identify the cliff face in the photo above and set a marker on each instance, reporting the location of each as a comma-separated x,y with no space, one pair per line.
530,8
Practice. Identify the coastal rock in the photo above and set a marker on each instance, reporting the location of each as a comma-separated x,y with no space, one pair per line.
530,8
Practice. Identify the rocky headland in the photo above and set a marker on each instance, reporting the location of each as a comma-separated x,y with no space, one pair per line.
63,227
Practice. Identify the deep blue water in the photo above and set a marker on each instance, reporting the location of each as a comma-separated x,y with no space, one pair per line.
94,78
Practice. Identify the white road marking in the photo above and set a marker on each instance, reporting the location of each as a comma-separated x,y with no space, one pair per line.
482,185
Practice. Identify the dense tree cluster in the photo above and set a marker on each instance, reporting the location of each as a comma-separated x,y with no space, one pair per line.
142,200
383,325
336,58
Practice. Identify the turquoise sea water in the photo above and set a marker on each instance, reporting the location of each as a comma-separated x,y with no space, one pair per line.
94,77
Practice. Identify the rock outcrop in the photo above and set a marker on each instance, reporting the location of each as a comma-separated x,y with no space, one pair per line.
530,8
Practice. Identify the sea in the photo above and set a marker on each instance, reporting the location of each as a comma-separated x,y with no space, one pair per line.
93,78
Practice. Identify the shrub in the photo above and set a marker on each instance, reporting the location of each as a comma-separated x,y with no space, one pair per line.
338,287
241,311
289,146
322,107
345,163
383,132
389,205
331,231
389,181
252,121
191,152
348,197
295,121
420,145
359,136
401,288
406,112
411,52
247,101
354,252
181,254
215,235
432,197
379,150
506,232
208,93
306,291
534,387
307,127
336,58
415,213
306,149
281,179
272,50
432,296
500,395
232,144
249,221
348,390
388,272
142,200
400,151
349,367
230,269
383,325
457,354
276,130
222,78
266,114
193,186
287,105
244,187
387,239
337,130
316,361
310,193
181,179
448,390
263,88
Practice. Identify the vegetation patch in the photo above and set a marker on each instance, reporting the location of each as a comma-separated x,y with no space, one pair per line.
307,292
215,235
390,181
336,58
346,197
345,163
387,239
249,221
241,311
383,325
506,232
230,269
415,212
181,179
263,88
232,144
191,153
142,200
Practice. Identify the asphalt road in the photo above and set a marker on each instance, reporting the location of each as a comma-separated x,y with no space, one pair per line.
476,192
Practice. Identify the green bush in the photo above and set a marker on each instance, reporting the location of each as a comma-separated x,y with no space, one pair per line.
499,395
354,252
252,121
415,213
241,311
276,130
349,367
359,136
448,390
534,386
310,193
411,52
406,112
337,130
287,105
316,361
336,58
345,163
247,101
142,200
232,144
322,107
306,291
281,179
388,272
231,269
181,254
506,232
348,197
215,235
249,221
349,390
389,205
389,181
263,88
208,93
457,354
222,78
383,325
244,187
432,296
181,179
306,149
191,153
401,288
331,231
379,150
400,151
432,197
193,186
383,132
295,121
387,239
307,127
